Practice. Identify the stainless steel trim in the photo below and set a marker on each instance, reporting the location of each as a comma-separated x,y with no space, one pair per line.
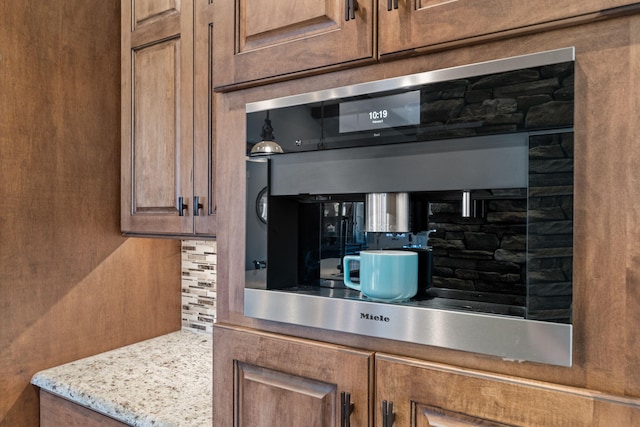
510,338
452,73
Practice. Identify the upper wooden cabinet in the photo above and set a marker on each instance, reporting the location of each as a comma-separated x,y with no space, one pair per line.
256,39
416,24
167,144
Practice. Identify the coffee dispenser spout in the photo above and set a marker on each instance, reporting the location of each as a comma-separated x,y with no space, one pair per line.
387,212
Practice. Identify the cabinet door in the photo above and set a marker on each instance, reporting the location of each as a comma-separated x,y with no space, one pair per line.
280,381
258,39
431,394
157,111
428,23
203,132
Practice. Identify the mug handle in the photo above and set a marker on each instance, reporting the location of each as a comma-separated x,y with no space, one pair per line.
346,265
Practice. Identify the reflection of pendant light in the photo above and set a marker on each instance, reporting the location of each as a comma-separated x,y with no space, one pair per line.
267,145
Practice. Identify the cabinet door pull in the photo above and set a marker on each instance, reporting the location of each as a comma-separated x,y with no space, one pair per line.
181,206
346,408
388,417
350,7
198,206
392,4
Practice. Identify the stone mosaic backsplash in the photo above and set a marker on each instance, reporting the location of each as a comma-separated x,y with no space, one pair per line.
199,285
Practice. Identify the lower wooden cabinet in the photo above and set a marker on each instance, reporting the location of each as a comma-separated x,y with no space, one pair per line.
265,380
430,394
58,412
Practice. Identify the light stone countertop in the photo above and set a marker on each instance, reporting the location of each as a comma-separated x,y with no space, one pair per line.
161,382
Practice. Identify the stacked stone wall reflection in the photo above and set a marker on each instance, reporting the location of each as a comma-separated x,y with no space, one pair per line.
482,258
550,253
518,251
514,101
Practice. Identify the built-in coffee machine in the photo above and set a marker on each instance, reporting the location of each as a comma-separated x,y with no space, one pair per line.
325,205
471,168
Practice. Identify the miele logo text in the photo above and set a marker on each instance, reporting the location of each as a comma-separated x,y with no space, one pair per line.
368,316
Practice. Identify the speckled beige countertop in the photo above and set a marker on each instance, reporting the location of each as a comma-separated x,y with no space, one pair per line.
162,382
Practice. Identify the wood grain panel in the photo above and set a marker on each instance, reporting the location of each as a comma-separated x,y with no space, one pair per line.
448,396
261,16
147,11
631,252
429,416
255,40
429,23
156,124
70,284
263,23
204,157
292,375
58,412
266,397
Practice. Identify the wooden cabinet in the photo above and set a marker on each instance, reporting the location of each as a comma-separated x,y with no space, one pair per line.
204,159
167,145
271,40
438,24
262,379
256,39
58,412
603,385
430,394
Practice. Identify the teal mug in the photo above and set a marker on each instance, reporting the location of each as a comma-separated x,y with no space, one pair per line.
385,275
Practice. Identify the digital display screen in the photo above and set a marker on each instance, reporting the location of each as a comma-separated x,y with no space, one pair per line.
382,112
